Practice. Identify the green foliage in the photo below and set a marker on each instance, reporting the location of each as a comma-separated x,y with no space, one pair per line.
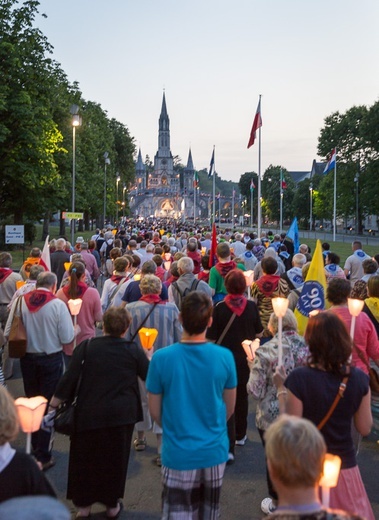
271,193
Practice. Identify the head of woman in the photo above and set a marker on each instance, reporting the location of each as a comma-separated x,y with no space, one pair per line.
116,322
338,291
373,287
77,274
150,284
370,266
289,322
115,253
9,424
329,342
235,282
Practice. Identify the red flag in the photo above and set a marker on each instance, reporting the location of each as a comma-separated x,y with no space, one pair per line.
257,123
284,185
212,254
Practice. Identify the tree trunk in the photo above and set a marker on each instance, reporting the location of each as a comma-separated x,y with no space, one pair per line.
62,225
80,225
45,227
86,220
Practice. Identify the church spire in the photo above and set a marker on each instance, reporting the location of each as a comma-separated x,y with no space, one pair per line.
190,162
164,131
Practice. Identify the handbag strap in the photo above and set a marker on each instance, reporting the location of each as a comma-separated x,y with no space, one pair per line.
227,327
341,391
81,373
361,356
143,323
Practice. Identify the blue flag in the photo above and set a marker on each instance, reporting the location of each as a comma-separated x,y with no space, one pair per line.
293,234
211,166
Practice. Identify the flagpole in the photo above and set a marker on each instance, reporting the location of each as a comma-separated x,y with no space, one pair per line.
214,188
259,179
233,208
219,208
194,203
281,200
251,204
335,198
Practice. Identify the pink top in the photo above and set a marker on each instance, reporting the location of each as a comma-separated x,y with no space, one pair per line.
365,337
90,312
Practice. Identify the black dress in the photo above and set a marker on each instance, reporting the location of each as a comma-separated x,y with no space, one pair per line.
108,407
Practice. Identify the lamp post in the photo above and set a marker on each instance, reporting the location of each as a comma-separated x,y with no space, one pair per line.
117,181
106,162
310,206
123,200
75,121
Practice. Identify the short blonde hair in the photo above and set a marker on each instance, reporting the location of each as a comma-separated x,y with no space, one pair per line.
295,450
289,322
150,284
9,424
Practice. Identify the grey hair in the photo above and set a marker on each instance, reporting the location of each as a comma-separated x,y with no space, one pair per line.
46,280
150,284
289,322
186,265
299,260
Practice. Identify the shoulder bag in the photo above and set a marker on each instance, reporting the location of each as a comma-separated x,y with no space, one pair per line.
17,336
227,327
64,420
143,323
341,391
372,373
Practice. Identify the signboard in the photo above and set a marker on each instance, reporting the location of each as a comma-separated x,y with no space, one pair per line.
70,215
14,234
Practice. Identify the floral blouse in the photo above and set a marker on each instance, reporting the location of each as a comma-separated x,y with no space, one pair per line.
262,369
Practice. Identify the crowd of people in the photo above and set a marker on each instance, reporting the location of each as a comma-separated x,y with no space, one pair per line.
192,388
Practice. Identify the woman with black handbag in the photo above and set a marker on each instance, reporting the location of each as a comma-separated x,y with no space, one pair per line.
108,406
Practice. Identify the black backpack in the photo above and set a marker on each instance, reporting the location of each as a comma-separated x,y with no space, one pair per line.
187,290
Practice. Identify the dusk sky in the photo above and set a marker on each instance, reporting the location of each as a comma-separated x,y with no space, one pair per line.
213,58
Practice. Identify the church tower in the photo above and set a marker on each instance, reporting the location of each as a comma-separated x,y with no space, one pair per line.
163,175
189,170
140,173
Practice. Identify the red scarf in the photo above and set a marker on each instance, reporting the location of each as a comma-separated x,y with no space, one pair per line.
4,273
151,298
268,283
116,278
203,276
36,299
81,289
224,268
236,303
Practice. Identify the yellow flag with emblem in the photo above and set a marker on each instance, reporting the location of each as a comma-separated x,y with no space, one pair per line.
312,296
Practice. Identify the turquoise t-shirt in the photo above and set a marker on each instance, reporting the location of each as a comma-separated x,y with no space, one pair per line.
192,378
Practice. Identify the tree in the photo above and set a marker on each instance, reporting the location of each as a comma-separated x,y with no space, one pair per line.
271,192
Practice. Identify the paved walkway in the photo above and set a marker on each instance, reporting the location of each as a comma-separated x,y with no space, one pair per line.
244,483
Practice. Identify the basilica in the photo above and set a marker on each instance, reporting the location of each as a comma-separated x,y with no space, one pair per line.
166,191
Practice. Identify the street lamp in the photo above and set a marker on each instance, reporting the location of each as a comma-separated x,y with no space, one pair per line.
123,200
117,181
75,121
106,162
310,206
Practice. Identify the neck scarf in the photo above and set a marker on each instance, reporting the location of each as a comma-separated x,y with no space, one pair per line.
36,299
236,303
268,283
224,268
373,305
81,289
151,298
4,273
116,278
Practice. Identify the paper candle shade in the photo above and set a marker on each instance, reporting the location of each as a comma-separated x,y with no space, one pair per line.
167,265
203,251
331,471
67,265
137,277
280,306
30,412
355,306
250,347
147,337
75,306
249,276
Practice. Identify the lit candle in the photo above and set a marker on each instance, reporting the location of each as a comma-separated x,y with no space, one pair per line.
249,277
147,337
30,413
330,474
75,306
280,306
355,308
